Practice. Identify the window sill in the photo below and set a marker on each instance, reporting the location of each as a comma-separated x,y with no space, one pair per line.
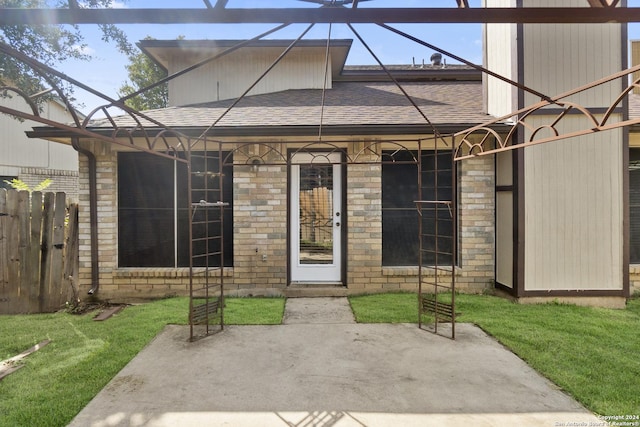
169,272
413,271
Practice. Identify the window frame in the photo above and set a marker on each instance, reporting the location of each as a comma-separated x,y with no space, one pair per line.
134,198
395,254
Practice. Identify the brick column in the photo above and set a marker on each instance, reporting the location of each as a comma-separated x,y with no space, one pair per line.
107,218
476,224
364,219
260,227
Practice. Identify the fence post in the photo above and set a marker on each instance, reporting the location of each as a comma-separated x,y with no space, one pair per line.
55,295
24,234
47,240
33,260
71,256
5,294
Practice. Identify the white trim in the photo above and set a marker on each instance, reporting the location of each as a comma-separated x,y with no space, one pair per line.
316,273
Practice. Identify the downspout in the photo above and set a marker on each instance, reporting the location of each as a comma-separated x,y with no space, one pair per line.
93,212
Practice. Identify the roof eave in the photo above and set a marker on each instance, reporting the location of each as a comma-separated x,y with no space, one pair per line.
280,131
410,75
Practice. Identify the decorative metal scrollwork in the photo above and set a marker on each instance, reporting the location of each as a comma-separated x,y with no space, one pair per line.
484,139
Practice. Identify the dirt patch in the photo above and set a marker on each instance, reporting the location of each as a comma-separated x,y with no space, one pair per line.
91,307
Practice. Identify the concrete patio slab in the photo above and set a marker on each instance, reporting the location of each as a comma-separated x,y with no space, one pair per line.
318,311
329,375
322,369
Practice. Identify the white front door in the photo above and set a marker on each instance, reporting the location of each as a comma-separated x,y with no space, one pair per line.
316,217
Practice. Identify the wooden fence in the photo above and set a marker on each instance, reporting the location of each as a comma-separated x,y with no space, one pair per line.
38,252
316,215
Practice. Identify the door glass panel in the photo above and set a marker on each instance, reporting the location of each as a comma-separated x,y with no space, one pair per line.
316,214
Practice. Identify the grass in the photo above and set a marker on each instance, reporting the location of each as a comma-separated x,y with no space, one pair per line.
591,353
60,379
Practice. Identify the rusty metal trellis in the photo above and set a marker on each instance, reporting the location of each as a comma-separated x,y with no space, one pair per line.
482,140
206,202
206,248
438,244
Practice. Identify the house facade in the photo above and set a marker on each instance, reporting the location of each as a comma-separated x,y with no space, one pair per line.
317,167
321,193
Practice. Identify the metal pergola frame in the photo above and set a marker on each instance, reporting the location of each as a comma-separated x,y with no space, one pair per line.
594,11
169,142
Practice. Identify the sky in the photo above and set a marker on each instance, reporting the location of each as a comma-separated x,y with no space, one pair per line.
106,72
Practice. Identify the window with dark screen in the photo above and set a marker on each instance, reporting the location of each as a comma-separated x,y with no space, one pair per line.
153,221
400,219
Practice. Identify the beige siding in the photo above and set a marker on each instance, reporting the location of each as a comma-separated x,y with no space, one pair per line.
500,57
573,196
18,151
504,220
504,168
231,76
574,212
561,57
635,60
504,238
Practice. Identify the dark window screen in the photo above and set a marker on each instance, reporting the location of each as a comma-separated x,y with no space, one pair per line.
147,212
400,219
634,205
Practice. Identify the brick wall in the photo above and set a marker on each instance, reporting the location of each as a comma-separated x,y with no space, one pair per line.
476,222
260,227
364,223
260,233
62,180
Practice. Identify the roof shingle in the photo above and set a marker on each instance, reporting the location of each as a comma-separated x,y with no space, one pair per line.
346,104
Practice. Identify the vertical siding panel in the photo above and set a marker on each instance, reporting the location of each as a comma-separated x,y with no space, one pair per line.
500,59
16,150
573,231
573,188
563,57
504,238
236,72
574,212
617,204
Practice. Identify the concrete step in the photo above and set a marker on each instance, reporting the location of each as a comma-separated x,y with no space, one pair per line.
314,290
317,311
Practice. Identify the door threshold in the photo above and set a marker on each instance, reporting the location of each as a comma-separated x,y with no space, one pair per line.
306,291
314,284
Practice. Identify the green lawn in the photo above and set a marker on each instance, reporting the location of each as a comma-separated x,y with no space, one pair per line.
592,353
59,380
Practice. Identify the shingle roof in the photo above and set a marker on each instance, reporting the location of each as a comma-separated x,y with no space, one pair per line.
346,104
